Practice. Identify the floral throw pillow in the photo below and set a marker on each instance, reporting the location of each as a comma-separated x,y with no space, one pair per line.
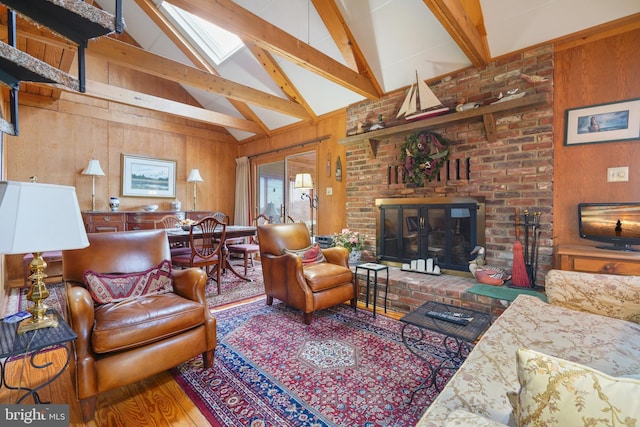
310,255
558,392
107,288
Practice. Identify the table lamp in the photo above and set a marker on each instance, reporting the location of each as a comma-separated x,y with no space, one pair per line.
28,223
304,182
93,169
194,176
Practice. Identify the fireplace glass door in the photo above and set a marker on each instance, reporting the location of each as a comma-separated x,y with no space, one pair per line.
445,233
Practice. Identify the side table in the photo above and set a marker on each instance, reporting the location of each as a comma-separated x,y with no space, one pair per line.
30,344
375,268
457,336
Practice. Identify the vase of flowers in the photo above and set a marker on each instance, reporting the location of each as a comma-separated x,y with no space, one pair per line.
352,240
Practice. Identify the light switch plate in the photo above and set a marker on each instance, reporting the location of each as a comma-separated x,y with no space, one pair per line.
329,191
619,174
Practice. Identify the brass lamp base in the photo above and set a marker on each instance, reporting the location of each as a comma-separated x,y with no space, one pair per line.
32,324
37,294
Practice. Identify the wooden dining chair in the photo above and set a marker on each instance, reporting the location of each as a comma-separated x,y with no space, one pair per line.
249,249
172,222
167,221
206,241
221,216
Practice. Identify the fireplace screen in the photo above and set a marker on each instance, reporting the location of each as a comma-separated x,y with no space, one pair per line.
445,232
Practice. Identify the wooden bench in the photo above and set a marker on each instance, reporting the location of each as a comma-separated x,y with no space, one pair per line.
53,258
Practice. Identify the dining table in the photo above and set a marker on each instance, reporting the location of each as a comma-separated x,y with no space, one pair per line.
179,235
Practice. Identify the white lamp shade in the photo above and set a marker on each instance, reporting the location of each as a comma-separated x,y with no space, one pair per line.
93,168
194,176
39,217
303,181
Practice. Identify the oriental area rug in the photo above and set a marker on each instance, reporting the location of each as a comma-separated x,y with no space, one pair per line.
345,369
233,288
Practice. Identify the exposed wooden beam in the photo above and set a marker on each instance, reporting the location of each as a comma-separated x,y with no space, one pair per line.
271,66
149,102
464,22
167,27
147,62
141,100
248,26
342,36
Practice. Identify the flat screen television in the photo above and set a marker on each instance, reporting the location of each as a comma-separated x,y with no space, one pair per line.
617,224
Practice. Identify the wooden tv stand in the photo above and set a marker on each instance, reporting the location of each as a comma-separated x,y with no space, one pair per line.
593,260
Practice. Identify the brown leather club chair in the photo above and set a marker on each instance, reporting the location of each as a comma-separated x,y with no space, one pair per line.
308,288
124,342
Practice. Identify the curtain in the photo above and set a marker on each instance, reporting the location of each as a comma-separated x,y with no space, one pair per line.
241,213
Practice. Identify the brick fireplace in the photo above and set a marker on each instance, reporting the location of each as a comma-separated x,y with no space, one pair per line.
513,171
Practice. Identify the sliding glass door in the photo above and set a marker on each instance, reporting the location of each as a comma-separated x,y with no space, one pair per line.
277,196
271,190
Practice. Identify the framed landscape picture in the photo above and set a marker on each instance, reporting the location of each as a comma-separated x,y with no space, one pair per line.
147,177
616,121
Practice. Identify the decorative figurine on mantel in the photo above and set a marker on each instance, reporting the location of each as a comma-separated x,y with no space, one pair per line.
533,79
379,125
420,102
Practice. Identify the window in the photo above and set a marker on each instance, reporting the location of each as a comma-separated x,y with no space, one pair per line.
210,40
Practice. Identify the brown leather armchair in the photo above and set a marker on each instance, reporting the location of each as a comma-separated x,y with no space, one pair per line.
124,342
307,288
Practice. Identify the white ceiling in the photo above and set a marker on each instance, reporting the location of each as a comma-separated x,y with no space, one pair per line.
396,37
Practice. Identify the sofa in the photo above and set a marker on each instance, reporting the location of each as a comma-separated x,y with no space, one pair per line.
572,361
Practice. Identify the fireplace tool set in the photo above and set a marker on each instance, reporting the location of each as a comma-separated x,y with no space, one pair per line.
525,257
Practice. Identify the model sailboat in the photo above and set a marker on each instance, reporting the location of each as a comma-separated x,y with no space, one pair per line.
420,102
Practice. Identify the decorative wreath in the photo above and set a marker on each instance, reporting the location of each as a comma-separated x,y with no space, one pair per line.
423,155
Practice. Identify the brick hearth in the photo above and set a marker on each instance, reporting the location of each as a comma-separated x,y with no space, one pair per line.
408,291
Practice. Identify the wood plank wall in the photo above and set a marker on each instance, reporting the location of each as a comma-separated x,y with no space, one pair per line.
602,71
59,136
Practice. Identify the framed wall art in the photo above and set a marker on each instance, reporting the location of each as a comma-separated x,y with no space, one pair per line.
615,121
147,177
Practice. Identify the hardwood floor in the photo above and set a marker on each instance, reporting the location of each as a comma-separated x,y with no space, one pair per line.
155,401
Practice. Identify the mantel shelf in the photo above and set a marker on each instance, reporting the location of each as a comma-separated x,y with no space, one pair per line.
486,113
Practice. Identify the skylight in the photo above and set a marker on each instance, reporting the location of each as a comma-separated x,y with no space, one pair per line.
212,41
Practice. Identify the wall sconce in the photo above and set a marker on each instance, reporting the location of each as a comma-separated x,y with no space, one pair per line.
26,225
93,169
304,182
194,176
